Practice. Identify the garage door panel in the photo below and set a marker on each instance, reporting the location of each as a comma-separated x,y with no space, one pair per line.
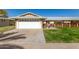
29,25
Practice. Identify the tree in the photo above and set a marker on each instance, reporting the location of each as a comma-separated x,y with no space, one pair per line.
3,13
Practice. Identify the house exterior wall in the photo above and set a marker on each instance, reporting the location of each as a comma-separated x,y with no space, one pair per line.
43,24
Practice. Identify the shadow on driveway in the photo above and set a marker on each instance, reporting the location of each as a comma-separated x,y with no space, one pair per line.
7,34
10,46
12,36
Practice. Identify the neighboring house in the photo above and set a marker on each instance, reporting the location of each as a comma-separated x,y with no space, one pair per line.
6,22
4,19
33,21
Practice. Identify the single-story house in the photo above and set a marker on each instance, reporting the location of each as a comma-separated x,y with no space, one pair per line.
6,21
33,21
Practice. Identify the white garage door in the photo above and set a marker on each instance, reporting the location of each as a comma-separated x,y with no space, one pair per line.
28,25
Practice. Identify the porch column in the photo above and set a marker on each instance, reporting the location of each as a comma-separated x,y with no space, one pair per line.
69,24
54,25
44,24
62,24
77,24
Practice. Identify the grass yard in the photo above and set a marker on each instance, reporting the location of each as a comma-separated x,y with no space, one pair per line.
6,28
62,35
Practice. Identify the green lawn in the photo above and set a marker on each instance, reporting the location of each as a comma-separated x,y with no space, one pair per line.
62,35
6,28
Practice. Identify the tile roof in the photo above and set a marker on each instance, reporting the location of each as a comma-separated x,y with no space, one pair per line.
62,18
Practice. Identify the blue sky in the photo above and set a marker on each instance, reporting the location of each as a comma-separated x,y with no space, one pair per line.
45,12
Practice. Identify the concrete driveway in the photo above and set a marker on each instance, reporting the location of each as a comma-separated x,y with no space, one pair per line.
31,39
27,38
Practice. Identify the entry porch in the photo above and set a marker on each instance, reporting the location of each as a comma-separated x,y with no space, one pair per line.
60,23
